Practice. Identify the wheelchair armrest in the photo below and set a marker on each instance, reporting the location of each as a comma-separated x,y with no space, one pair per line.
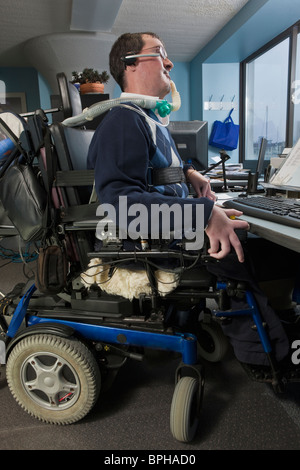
87,224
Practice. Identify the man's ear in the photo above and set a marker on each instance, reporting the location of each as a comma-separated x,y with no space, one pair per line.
131,68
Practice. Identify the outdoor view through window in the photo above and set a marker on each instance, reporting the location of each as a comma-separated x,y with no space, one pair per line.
266,101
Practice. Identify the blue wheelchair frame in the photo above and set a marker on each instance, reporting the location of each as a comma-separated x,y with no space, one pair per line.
183,343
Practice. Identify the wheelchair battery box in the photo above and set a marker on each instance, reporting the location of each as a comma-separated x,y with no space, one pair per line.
105,304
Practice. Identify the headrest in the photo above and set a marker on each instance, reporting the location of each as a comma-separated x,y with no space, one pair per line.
70,96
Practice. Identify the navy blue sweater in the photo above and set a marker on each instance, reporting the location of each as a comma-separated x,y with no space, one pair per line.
123,148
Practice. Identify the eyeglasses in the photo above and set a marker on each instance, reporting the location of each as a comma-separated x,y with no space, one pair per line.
159,50
131,57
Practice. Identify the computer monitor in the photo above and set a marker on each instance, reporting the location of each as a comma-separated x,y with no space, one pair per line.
261,156
191,140
252,184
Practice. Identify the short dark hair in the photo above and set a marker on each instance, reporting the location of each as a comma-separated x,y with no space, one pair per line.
127,42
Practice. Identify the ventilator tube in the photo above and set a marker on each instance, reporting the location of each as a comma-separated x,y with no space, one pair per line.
162,106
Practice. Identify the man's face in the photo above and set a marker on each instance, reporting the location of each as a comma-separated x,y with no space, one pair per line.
153,72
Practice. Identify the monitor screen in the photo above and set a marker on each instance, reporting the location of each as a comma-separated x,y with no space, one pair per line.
191,140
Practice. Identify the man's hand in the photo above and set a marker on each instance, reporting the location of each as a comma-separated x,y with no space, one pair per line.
200,184
221,234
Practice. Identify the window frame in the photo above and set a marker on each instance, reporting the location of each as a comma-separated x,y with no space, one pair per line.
291,34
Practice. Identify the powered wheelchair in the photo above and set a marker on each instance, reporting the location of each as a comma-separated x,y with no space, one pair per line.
66,334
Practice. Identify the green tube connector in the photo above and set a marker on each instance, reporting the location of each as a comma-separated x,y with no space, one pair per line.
163,108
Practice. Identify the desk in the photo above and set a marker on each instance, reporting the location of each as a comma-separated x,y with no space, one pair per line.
283,235
277,233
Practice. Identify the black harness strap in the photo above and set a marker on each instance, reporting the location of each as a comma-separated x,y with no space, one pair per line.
163,176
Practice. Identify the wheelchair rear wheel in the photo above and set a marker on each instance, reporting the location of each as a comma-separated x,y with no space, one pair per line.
212,343
184,419
54,379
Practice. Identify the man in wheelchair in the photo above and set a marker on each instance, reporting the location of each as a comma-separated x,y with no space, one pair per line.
133,156
145,282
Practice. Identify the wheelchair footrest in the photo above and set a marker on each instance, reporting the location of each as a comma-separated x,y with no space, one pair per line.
264,373
258,373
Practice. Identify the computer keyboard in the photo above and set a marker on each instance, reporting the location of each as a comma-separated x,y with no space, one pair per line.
274,208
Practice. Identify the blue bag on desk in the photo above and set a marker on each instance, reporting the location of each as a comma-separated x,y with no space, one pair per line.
225,135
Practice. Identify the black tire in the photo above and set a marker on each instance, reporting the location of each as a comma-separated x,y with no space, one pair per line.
212,343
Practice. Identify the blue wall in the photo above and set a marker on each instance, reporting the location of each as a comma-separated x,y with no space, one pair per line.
45,93
22,79
180,75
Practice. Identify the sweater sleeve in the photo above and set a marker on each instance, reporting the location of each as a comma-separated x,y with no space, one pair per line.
119,153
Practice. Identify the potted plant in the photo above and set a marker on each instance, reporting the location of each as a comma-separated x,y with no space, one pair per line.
90,80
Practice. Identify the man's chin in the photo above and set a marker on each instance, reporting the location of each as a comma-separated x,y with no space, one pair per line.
166,91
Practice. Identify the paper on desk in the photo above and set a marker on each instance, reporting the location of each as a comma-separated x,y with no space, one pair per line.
289,173
232,166
222,197
217,172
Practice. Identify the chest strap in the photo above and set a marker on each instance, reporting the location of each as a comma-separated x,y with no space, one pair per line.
163,176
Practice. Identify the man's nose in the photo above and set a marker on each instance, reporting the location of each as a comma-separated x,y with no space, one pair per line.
168,64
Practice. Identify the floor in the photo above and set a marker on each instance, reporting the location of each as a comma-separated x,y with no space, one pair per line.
133,415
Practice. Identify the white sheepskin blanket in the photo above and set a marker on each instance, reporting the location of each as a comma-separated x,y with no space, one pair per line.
124,282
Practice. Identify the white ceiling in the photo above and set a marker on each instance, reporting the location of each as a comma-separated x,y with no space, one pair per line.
41,33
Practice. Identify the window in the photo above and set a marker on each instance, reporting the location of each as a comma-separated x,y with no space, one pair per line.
266,101
296,96
269,108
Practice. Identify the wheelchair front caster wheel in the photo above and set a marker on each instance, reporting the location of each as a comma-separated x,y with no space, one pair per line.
184,415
